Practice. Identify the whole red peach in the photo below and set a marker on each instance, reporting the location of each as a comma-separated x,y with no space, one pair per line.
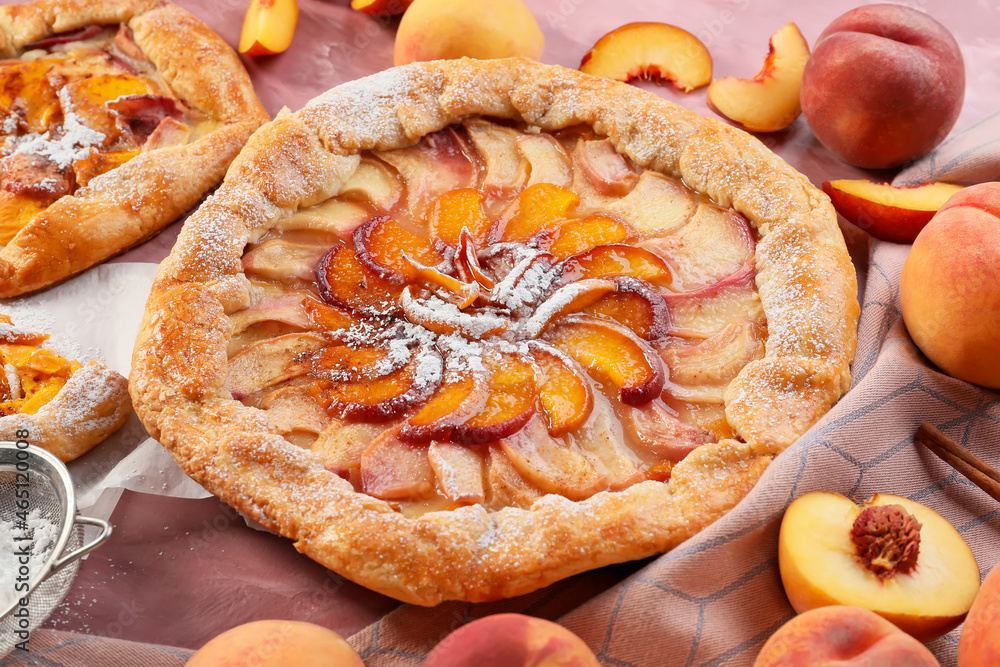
884,84
511,640
949,289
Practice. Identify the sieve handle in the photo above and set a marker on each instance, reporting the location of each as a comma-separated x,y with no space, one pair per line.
86,548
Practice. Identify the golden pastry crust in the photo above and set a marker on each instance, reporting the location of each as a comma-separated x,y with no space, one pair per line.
180,361
93,404
131,203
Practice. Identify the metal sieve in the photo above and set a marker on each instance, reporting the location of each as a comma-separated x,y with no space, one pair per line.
37,499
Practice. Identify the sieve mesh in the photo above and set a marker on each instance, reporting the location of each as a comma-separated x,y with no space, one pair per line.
41,539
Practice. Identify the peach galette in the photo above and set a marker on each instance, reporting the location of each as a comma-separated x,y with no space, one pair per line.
115,118
465,328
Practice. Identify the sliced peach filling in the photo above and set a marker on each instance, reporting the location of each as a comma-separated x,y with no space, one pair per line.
32,375
506,344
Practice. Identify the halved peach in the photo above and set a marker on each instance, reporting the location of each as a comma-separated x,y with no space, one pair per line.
890,555
535,209
268,27
380,244
457,210
563,390
885,211
656,50
613,353
770,100
509,405
385,397
578,235
635,304
617,260
345,281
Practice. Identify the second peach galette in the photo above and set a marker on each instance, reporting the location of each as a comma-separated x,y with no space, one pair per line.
463,329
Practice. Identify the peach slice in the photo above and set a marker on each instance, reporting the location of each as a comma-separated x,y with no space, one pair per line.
89,97
380,8
656,431
381,243
385,397
336,217
288,309
527,275
438,163
457,210
617,260
508,488
28,84
548,161
341,445
712,245
351,363
657,50
509,405
842,637
550,465
392,469
636,305
456,399
579,235
16,211
890,555
703,312
567,299
268,27
467,263
600,439
604,167
717,359
656,206
535,209
268,362
563,389
444,318
284,261
374,183
887,212
506,168
344,281
327,320
459,472
770,100
613,353
512,640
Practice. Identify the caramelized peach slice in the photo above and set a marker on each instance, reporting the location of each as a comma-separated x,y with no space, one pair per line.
550,465
457,399
467,263
28,84
87,98
654,430
711,246
457,210
600,440
288,309
16,211
438,163
443,317
506,169
567,299
284,261
269,362
611,352
382,398
268,27
617,260
718,359
656,50
335,217
604,167
535,209
459,472
380,245
770,100
636,305
563,389
579,235
352,363
508,488
548,161
327,320
450,289
344,281
706,311
95,164
392,469
656,206
374,183
509,404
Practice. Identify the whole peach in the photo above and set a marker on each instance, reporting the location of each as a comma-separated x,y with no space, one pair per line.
950,286
511,640
884,84
276,643
434,29
843,636
979,645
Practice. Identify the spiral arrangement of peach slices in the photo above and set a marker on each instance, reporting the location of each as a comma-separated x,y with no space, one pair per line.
494,314
74,106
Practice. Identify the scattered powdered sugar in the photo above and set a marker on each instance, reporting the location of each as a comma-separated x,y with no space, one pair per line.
76,142
43,534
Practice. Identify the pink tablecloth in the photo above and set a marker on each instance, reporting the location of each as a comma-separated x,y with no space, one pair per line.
180,571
